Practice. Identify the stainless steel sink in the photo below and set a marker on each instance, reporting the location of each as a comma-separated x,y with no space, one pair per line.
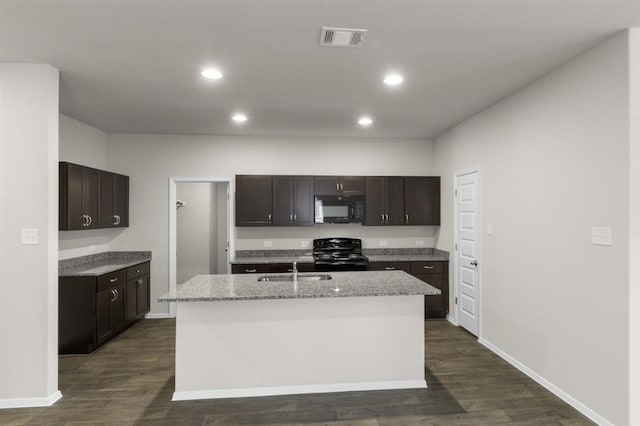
285,278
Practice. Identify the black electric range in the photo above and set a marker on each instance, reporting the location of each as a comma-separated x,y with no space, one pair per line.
339,254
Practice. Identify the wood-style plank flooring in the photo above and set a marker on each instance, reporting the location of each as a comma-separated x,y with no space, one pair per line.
130,381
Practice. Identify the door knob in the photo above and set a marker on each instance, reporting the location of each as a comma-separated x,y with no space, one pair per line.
474,263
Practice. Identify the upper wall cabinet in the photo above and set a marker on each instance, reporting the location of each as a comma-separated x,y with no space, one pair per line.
384,200
114,199
339,185
254,200
92,198
422,200
293,203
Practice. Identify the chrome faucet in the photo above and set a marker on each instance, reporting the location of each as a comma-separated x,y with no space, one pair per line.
294,270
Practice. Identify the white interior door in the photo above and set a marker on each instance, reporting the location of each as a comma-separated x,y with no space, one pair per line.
467,251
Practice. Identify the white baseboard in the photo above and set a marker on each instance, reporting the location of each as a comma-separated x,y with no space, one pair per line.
452,320
158,316
297,389
31,402
598,419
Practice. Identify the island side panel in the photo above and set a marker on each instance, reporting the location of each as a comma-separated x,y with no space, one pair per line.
273,347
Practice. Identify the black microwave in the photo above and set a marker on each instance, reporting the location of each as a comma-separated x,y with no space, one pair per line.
339,209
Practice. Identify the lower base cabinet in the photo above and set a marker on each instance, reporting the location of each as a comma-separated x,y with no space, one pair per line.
435,273
93,310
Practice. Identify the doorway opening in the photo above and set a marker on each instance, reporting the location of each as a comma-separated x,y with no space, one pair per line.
200,239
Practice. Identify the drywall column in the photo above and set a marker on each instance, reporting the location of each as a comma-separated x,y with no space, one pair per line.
634,227
28,273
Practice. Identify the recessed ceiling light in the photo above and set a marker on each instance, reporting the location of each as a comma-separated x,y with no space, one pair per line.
393,79
365,121
211,73
239,118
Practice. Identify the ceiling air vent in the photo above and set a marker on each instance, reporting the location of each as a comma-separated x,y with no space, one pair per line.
342,37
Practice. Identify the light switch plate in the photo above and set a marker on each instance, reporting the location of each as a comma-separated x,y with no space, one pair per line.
29,236
268,243
419,243
601,236
382,243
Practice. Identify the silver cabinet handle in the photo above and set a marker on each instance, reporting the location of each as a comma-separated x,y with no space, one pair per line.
113,280
389,268
117,293
291,218
295,217
337,187
341,187
428,267
114,220
90,220
85,220
382,218
269,218
406,218
386,218
138,271
250,270
139,283
119,220
114,295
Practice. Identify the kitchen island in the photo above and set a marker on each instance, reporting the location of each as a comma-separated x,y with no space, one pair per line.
237,336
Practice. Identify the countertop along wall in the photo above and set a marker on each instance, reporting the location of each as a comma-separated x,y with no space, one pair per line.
554,162
150,160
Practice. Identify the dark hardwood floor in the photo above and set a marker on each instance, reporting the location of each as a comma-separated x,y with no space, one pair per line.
130,381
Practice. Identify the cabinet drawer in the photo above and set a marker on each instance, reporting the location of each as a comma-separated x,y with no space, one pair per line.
288,267
250,268
111,280
428,267
390,266
138,271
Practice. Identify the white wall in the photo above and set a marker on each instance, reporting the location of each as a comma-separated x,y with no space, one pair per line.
634,234
554,162
150,160
29,197
85,145
193,230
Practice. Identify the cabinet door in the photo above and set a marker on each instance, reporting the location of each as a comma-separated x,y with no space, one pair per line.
144,302
352,185
422,200
282,200
132,300
374,200
253,200
436,305
71,193
114,200
249,268
394,200
304,207
327,185
103,314
91,196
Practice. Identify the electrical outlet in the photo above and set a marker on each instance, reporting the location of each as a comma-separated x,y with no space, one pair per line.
489,228
601,236
92,248
29,236
382,243
419,243
304,244
268,243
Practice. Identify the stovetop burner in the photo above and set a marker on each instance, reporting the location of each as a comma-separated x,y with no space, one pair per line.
339,254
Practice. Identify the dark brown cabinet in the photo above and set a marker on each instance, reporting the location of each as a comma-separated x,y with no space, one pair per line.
384,200
254,200
138,291
114,200
92,310
339,185
79,197
435,273
91,198
293,203
265,268
422,200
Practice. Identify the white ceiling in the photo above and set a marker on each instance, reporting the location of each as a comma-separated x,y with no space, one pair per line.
134,66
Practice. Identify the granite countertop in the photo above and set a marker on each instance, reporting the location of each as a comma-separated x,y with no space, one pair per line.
374,255
101,263
343,284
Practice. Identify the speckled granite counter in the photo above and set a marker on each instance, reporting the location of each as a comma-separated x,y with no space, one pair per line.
374,255
343,284
101,263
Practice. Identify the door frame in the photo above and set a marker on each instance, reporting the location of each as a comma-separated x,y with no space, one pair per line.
173,181
456,176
